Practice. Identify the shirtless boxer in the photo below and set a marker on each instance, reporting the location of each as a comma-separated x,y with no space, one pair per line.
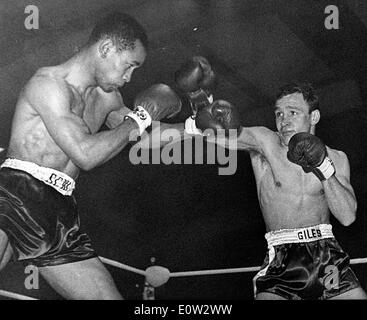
55,133
300,181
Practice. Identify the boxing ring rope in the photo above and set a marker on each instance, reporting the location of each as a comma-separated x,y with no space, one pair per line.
15,296
156,276
203,272
121,266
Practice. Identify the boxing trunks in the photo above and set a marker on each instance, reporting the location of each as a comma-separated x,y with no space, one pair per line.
306,263
39,215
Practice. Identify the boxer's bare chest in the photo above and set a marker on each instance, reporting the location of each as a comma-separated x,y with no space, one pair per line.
276,175
288,197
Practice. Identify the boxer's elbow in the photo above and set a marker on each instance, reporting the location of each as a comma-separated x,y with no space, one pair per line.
348,222
86,166
83,159
353,213
83,163
349,218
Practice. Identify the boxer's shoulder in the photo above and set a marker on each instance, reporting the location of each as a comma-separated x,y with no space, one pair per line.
267,138
339,159
48,82
258,139
334,153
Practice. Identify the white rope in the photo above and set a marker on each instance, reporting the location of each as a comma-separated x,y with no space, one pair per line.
202,272
122,266
15,295
358,260
171,274
237,270
212,272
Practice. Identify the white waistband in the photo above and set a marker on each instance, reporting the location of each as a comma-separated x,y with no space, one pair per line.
56,179
299,235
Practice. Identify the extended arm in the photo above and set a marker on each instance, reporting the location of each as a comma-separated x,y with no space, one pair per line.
252,139
162,134
220,122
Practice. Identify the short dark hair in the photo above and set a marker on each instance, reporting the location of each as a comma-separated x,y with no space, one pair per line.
307,90
121,28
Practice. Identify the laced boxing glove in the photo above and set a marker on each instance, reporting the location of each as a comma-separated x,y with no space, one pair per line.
220,115
196,78
155,103
310,153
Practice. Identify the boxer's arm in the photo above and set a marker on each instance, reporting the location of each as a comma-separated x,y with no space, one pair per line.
116,117
161,135
52,101
339,192
252,139
115,103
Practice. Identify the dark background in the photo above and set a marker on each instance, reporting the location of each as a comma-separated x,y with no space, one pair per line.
187,216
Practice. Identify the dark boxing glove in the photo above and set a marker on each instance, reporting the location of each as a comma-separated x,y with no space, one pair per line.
195,78
310,153
155,103
220,115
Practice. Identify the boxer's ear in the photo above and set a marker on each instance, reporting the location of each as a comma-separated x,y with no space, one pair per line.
315,117
105,47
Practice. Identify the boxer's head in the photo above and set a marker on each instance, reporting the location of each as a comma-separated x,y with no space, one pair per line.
296,110
120,45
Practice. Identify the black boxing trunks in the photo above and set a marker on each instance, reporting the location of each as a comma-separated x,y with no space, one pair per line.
306,263
39,215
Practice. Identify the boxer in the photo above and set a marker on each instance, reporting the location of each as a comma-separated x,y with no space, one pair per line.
300,183
55,134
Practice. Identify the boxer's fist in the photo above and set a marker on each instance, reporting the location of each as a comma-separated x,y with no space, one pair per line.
219,115
195,74
195,78
160,101
310,153
155,103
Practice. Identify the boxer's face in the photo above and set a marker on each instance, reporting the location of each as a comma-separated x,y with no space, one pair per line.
292,115
117,67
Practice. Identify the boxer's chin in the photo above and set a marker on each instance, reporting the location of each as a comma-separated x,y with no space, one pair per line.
285,138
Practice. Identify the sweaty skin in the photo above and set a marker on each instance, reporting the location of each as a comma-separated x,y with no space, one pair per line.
289,197
61,109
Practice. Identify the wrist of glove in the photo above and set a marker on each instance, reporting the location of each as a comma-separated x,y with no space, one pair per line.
190,126
141,117
199,99
325,170
196,79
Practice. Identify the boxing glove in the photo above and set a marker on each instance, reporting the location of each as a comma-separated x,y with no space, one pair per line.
155,103
310,153
220,115
196,78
